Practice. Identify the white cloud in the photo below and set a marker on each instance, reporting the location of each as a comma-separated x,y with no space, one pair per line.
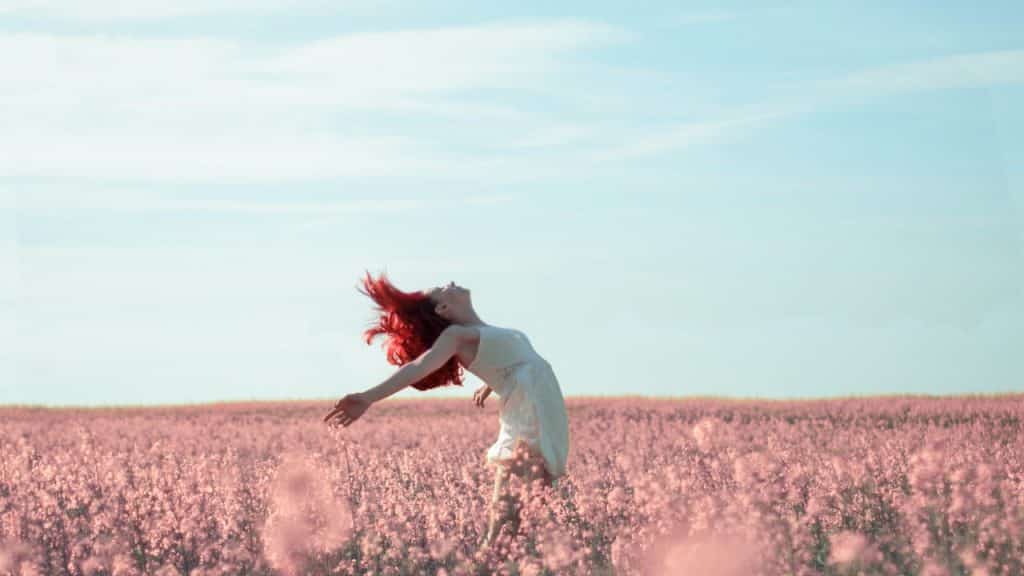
682,136
708,16
956,71
10,283
103,10
489,199
142,202
127,199
8,248
979,69
203,109
553,135
362,67
315,208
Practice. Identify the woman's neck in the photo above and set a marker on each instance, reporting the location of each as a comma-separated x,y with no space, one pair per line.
470,319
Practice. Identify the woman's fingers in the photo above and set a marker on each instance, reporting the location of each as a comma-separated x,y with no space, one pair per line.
334,413
339,415
343,419
480,395
339,408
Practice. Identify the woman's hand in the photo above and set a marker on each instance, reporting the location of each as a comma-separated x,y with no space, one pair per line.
481,394
348,409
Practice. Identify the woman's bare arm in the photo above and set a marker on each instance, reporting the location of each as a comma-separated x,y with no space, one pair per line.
352,406
438,354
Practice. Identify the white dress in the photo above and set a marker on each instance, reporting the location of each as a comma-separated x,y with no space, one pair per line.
532,406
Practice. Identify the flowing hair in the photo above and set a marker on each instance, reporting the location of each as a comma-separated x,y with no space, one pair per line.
411,326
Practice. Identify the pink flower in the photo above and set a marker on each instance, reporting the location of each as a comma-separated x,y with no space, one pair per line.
848,547
708,554
704,434
305,517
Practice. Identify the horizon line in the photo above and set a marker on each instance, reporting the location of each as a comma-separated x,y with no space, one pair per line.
568,399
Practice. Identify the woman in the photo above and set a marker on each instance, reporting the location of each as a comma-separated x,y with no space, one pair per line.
433,334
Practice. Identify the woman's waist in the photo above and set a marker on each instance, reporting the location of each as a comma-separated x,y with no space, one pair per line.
509,369
506,378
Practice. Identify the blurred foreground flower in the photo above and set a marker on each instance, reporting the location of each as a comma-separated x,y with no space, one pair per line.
706,554
305,516
851,547
704,434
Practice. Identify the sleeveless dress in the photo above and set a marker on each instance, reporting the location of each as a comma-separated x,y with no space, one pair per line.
532,406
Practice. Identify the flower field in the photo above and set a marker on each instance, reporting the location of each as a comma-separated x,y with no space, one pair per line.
702,486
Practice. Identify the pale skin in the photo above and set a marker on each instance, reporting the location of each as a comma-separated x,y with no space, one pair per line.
461,339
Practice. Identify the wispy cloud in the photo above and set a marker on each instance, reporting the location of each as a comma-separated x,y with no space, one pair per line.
488,199
702,17
552,135
9,265
112,199
954,71
361,68
107,10
301,208
204,109
682,135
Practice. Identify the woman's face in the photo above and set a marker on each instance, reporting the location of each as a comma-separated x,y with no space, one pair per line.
447,296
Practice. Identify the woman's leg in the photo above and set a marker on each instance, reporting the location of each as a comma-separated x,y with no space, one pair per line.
531,470
501,502
505,506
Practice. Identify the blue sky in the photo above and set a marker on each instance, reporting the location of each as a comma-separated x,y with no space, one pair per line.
762,199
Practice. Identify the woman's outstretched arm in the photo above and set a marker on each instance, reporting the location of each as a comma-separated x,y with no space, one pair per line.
352,406
438,354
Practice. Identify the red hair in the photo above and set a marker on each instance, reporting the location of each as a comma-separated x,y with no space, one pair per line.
411,326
